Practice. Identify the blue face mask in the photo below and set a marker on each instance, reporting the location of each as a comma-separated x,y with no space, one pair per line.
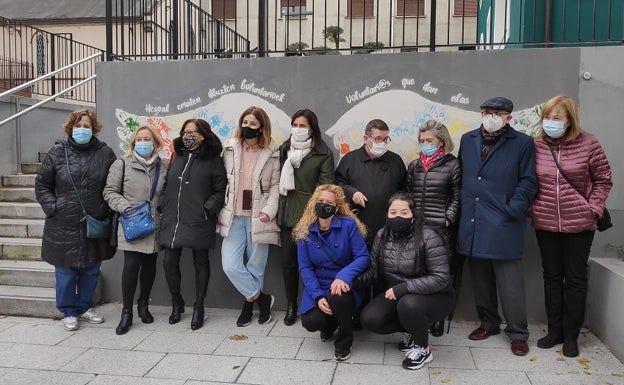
553,128
428,148
82,135
144,149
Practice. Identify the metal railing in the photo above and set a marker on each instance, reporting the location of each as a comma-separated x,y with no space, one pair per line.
28,52
167,29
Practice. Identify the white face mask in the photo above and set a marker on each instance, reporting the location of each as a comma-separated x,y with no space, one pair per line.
378,149
492,123
299,134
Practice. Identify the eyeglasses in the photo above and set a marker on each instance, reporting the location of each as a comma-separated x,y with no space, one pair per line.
379,139
190,132
500,114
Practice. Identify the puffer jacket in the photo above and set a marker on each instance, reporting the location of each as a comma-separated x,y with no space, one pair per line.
65,241
558,207
407,268
436,192
138,178
265,192
192,196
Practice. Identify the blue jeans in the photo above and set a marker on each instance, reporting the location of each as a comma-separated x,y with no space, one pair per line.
248,278
75,288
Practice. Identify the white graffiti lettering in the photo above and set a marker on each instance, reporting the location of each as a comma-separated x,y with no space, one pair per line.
407,82
189,103
226,89
460,99
155,110
368,91
251,87
429,89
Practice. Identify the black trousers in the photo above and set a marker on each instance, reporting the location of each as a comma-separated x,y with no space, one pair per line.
137,268
171,265
412,313
290,265
342,308
564,260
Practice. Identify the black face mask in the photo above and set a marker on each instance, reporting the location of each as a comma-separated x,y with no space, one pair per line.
323,210
400,225
249,133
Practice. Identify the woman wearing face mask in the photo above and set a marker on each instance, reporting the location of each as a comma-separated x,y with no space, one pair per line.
411,262
434,179
249,218
190,201
306,163
564,220
72,175
131,181
331,252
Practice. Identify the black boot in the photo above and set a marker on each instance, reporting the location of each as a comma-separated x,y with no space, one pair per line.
143,311
197,321
177,308
125,322
437,328
265,303
291,313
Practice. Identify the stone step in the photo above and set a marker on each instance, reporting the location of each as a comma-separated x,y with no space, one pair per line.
21,228
31,168
20,248
26,273
22,180
17,194
28,210
28,301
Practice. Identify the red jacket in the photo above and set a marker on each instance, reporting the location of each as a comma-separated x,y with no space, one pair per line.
558,206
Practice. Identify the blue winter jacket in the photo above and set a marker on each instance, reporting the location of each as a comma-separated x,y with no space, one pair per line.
495,195
339,253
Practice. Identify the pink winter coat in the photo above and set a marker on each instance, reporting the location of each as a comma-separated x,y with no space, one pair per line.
558,207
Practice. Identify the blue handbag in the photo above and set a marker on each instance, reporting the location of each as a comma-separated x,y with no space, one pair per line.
137,222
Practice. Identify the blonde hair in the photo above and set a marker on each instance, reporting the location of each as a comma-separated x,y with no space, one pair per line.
157,139
569,107
302,228
441,133
264,139
75,117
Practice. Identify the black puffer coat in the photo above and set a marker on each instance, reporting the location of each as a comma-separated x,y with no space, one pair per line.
192,196
64,236
400,264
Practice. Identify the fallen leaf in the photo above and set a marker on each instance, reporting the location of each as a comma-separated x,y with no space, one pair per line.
2,316
237,337
617,374
445,380
586,372
327,359
573,372
533,359
559,373
236,367
583,361
560,359
436,373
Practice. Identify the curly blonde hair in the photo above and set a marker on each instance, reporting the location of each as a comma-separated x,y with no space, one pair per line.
302,228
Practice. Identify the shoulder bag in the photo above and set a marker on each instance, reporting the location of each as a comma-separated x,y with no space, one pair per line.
603,223
96,228
137,222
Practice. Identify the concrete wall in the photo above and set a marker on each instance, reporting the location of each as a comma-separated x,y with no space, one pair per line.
346,92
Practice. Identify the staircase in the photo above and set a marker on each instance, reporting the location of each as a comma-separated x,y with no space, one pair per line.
26,282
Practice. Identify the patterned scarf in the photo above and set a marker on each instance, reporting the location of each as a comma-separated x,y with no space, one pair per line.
490,139
428,161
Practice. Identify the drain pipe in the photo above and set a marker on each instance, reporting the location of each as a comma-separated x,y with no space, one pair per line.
547,23
18,137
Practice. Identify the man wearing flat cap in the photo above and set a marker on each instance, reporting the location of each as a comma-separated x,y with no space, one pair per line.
498,186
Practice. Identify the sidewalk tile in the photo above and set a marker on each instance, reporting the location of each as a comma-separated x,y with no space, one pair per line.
116,362
378,374
363,352
476,377
575,378
44,357
257,346
32,377
39,334
129,380
537,360
199,367
451,357
105,339
192,343
264,371
28,320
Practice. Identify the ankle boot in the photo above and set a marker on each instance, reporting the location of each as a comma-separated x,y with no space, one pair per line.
265,303
143,311
437,328
197,321
125,322
177,308
291,313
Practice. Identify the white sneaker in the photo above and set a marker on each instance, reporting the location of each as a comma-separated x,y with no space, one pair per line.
70,323
417,357
91,316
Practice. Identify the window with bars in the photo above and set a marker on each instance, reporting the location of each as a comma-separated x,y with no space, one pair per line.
361,8
41,55
465,7
224,9
294,7
410,7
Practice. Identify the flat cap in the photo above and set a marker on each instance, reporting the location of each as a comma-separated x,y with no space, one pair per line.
498,103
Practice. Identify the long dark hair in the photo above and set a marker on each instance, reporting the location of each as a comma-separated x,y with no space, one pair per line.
202,126
313,122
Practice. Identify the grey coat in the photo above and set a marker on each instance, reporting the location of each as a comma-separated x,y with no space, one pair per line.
137,184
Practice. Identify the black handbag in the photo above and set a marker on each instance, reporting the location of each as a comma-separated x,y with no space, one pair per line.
603,223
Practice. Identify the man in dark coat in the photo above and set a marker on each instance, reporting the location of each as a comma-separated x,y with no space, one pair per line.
498,186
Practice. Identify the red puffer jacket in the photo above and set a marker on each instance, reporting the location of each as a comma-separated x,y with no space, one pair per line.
558,206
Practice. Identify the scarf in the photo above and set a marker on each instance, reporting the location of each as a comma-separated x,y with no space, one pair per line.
490,139
296,153
428,161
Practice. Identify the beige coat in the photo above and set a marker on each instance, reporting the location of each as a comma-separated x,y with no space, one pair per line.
266,175
137,185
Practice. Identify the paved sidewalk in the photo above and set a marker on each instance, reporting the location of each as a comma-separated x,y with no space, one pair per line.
39,351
